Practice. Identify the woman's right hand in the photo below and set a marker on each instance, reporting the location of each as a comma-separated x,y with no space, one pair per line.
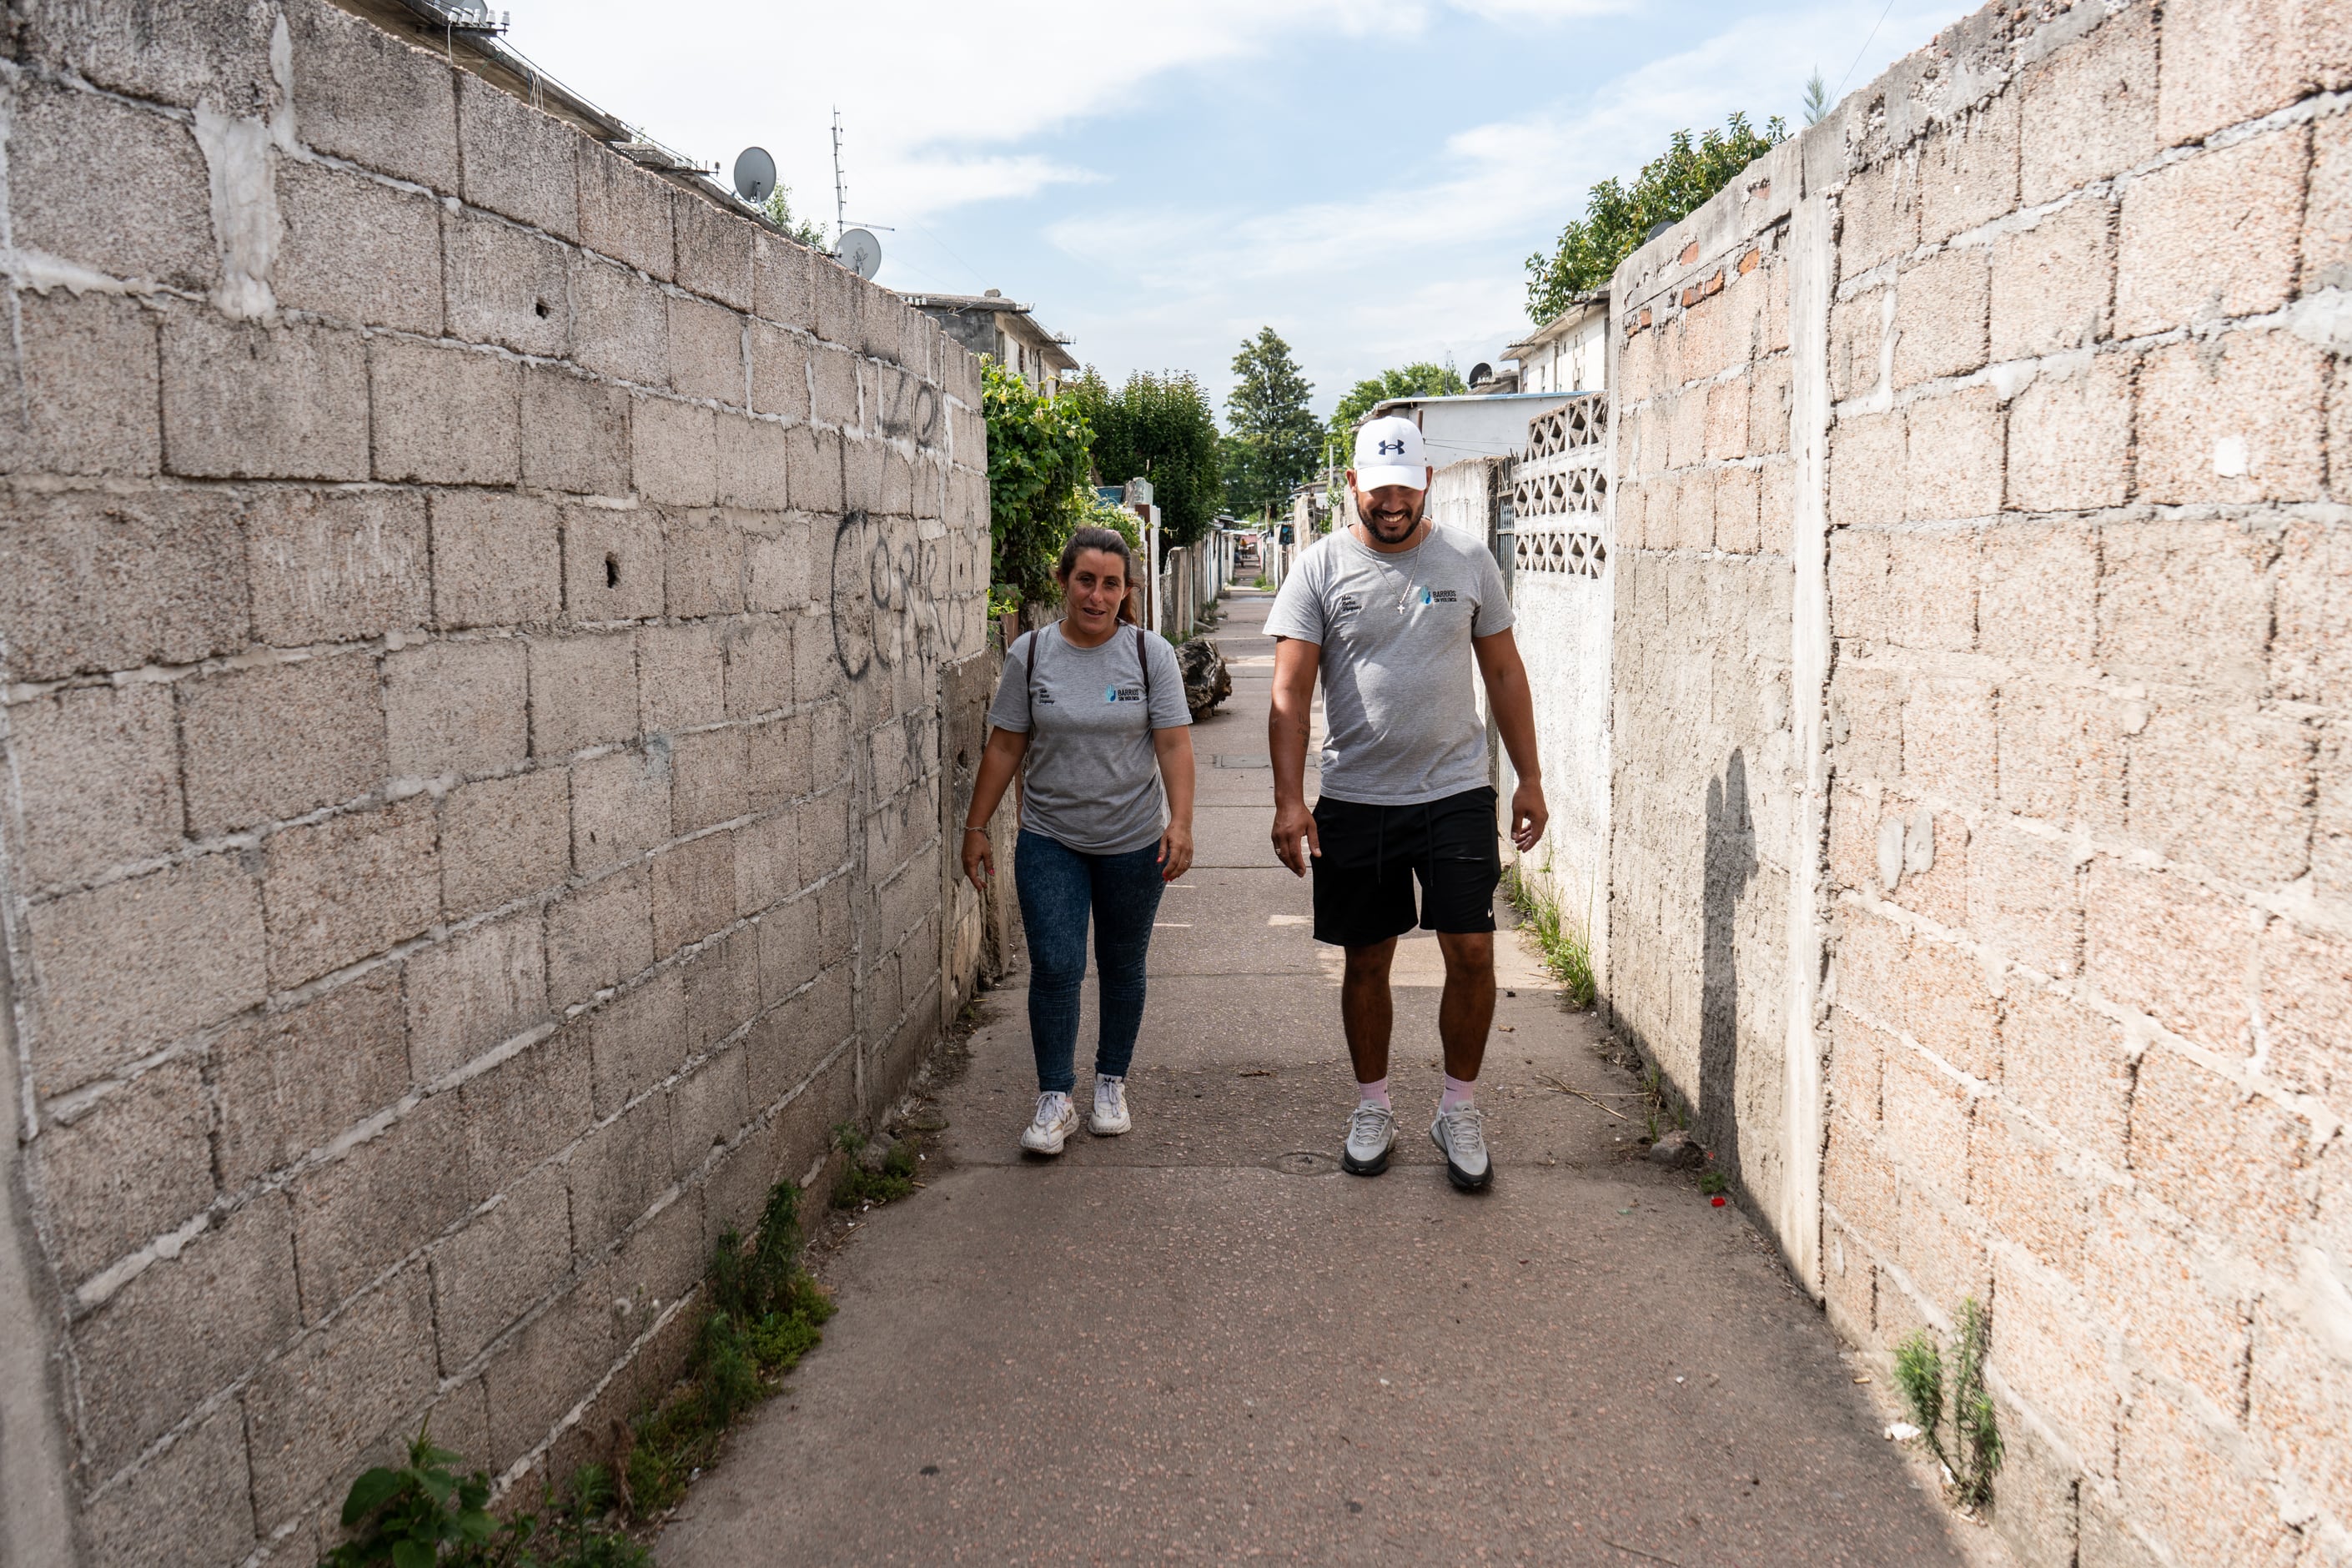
979,864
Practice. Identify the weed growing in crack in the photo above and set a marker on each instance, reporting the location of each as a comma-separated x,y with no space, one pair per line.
1662,1108
424,1513
1975,1453
765,1314
1566,952
857,1184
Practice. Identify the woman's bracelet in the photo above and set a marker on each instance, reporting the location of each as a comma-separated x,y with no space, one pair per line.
968,827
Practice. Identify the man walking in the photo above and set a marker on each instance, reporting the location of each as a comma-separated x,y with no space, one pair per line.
1392,612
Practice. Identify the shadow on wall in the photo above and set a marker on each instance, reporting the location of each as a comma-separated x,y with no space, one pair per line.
1729,866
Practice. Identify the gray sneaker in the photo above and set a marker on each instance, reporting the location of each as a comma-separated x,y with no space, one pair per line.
1460,1135
1372,1134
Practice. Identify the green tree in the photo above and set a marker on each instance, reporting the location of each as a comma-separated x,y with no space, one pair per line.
1037,459
1420,379
1274,438
779,208
1668,189
1161,428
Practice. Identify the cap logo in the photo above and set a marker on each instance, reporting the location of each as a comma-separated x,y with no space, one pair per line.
1392,448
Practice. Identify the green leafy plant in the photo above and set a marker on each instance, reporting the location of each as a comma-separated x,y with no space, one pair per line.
857,1184
1093,512
764,1314
424,1513
1037,462
1711,1182
779,208
1566,952
1972,1456
1617,217
410,1516
1161,428
1420,379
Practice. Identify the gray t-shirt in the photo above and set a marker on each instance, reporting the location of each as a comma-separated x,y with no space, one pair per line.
1091,779
1400,722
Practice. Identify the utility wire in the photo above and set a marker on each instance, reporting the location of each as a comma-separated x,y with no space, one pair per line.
1862,51
958,260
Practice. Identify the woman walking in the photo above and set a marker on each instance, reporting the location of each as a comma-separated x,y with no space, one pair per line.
1095,707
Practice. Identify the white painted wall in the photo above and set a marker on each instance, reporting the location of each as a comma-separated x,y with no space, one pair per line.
1564,633
1568,354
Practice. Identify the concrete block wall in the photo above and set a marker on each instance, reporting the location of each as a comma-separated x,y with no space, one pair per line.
2057,579
474,633
1702,767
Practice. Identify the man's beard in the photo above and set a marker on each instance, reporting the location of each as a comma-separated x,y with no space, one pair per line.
1391,534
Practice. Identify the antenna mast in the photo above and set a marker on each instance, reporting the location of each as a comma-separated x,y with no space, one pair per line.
840,188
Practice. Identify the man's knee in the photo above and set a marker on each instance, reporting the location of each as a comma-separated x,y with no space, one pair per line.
1368,964
1469,955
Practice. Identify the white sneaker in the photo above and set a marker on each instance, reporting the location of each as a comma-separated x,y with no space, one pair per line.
1056,1119
1372,1134
1110,1118
1460,1135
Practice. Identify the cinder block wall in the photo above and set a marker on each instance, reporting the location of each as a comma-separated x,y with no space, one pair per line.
475,619
1702,764
2065,604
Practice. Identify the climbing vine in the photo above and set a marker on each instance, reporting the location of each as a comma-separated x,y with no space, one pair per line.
1038,447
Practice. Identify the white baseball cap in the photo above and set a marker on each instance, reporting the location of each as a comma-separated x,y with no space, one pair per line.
1389,452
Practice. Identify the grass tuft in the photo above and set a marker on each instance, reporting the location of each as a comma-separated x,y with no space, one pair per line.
857,1184
765,1313
1566,947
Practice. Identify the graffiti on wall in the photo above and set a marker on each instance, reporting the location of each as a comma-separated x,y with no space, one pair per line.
884,587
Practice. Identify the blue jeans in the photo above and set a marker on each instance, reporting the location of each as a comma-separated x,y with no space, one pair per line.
1058,887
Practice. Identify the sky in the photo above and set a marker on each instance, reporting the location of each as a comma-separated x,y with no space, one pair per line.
1159,181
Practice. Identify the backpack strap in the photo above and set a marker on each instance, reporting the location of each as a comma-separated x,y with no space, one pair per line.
1143,658
1029,675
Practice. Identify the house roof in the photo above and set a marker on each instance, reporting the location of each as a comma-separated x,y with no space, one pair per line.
1580,309
996,304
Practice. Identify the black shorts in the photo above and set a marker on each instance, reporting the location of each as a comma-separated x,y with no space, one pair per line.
1363,879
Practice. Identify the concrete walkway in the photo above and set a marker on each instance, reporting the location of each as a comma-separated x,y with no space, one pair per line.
1201,1343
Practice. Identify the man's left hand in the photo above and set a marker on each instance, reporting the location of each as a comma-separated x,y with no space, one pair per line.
1528,815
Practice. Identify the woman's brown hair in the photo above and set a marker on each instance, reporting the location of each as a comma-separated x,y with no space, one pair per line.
1109,542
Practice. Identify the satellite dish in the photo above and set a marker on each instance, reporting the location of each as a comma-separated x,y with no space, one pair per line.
755,174
1481,374
859,251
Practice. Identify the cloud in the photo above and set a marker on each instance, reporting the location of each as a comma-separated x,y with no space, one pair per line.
921,84
1163,177
927,87
1491,192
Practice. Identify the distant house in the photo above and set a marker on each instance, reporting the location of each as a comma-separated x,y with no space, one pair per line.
1571,352
993,325
1471,423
